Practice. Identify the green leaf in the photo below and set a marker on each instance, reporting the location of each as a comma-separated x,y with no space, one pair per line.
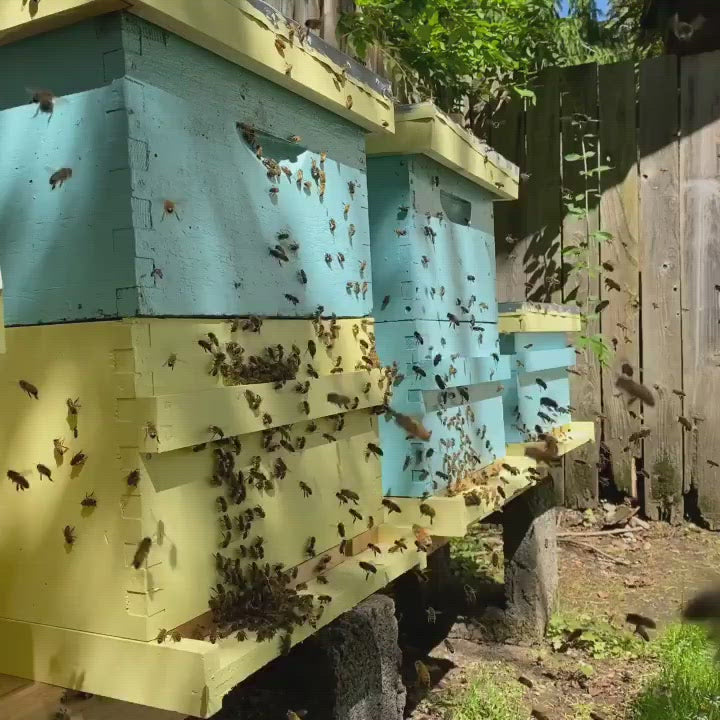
573,157
601,235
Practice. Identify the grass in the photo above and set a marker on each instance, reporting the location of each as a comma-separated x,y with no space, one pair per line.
492,693
687,684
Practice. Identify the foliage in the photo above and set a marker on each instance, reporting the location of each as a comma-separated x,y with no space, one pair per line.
687,685
446,49
599,640
492,693
474,560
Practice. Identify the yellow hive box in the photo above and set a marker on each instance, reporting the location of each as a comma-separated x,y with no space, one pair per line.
145,398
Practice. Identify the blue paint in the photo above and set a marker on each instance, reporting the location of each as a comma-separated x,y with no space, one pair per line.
532,357
164,128
423,268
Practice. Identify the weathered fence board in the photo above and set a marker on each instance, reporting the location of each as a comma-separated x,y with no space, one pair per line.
508,138
542,259
700,229
579,112
661,290
620,279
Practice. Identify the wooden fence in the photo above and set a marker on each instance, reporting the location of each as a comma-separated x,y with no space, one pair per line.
651,141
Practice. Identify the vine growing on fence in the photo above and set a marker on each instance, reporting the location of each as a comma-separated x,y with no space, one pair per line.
579,255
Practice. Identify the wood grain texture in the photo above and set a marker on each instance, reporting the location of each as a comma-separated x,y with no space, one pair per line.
542,258
508,138
661,260
578,86
619,216
700,227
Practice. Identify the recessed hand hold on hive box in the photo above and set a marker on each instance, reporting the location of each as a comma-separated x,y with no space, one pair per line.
167,181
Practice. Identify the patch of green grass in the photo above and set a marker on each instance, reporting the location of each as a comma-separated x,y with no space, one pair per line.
599,640
687,684
492,693
471,558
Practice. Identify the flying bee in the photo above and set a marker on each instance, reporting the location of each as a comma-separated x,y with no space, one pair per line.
398,545
333,225
291,298
369,568
279,253
151,431
351,231
69,535
428,511
59,446
329,437
341,259
374,449
391,506
20,482
305,488
89,500
400,232
418,338
215,431
274,190
142,551
29,388
59,177
356,515
294,139
78,458
310,547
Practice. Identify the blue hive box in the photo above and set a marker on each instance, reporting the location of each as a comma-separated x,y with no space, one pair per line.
431,189
171,209
534,339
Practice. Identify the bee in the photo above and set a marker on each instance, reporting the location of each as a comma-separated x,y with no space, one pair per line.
305,407
369,568
385,302
78,458
423,674
356,515
69,535
398,544
348,102
20,482
342,401
351,188
45,101
267,419
215,431
400,233
305,488
439,382
205,345
370,522
323,157
428,511
333,225
59,177
453,320
29,388
685,423
302,276
162,636
133,478
307,185
142,551
280,254
351,231
442,292
312,426
294,139
274,191
169,208
419,372
328,259
44,470
341,259
175,636
89,500
374,449
418,338
302,387
329,437
310,547
151,431
391,506
254,401
59,446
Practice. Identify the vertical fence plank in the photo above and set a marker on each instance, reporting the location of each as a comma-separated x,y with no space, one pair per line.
700,229
620,280
579,113
508,138
542,258
660,267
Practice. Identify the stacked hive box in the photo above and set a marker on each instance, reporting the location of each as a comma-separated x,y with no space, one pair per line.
534,339
176,216
431,190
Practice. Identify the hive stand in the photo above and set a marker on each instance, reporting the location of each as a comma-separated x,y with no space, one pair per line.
431,189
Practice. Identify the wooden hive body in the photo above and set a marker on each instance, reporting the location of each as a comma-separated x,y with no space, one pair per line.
147,117
435,308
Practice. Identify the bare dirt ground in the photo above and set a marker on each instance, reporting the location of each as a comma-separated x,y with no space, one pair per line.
654,572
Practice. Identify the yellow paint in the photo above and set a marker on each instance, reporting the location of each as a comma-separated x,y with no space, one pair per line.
191,676
25,18
570,437
453,516
539,321
113,367
423,129
2,319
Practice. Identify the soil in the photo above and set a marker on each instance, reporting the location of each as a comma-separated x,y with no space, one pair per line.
661,567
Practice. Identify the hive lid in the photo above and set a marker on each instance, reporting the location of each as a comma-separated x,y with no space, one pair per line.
244,32
525,316
424,129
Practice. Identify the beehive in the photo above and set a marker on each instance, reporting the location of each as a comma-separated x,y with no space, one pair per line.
168,218
172,208
535,339
431,189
